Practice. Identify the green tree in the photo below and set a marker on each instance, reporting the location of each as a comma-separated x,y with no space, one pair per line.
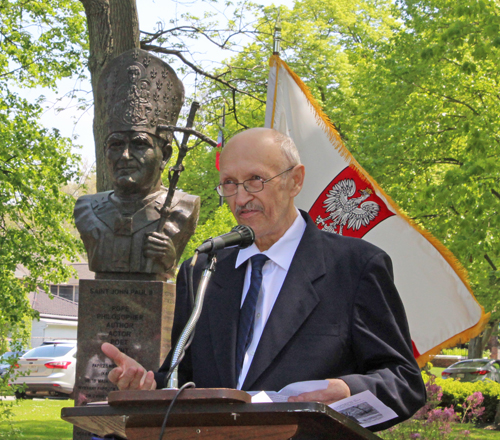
219,223
40,42
427,128
412,87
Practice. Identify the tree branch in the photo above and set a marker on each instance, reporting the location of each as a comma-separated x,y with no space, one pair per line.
179,55
488,259
426,216
449,160
438,132
495,193
198,134
194,30
449,98
234,111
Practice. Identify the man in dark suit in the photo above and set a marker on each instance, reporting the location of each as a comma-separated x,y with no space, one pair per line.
327,307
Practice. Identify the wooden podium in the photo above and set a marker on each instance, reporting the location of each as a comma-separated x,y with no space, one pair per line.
211,414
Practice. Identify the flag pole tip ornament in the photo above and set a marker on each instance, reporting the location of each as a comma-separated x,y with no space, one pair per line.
277,34
342,198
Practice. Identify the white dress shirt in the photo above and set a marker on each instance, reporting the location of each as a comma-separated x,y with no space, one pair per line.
273,275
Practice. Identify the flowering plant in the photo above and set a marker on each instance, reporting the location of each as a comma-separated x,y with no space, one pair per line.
433,423
473,411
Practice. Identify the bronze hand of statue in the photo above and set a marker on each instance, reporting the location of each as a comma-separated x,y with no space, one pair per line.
160,248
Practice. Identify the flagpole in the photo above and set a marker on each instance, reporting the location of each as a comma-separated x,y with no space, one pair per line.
277,35
223,142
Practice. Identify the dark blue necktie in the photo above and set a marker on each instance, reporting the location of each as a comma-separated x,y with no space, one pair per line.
247,311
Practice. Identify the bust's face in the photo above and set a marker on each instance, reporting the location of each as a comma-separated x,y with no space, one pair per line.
135,161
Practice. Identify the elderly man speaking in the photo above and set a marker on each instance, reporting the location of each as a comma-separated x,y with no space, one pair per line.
322,306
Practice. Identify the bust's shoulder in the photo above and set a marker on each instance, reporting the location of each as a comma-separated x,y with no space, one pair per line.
188,204
93,199
91,202
183,197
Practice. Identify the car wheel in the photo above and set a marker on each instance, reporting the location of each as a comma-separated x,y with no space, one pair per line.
20,394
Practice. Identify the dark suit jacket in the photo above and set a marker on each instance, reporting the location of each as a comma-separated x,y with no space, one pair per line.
338,315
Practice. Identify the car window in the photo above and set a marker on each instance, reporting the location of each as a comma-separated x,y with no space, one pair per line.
496,365
473,364
49,351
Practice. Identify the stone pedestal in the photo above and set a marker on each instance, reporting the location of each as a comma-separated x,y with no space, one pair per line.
136,316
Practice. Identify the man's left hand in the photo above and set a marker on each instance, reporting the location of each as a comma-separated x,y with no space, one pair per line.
337,390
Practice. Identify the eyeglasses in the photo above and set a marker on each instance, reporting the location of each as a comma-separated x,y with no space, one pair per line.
254,185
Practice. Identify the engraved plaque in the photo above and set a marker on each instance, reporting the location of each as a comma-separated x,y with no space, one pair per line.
136,316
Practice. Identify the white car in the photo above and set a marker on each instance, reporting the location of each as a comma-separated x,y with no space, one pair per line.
48,369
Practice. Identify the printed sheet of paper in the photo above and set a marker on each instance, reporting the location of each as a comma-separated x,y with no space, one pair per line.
365,409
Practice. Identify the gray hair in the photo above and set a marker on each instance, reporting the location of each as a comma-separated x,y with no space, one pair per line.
288,149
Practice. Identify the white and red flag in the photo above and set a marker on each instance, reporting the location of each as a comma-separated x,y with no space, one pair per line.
342,198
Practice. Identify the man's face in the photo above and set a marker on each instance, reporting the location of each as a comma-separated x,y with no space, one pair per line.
271,211
134,160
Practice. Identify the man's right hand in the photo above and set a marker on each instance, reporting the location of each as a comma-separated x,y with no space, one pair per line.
128,374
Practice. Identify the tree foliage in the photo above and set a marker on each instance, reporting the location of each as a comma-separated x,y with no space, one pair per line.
220,222
427,128
412,87
40,42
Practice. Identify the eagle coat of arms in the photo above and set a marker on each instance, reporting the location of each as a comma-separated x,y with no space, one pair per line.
348,206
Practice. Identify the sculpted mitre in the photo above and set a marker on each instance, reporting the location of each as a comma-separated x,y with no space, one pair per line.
141,93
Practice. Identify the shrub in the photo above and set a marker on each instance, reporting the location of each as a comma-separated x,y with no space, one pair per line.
456,393
430,422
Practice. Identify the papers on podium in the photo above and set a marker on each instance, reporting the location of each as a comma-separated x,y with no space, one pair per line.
364,408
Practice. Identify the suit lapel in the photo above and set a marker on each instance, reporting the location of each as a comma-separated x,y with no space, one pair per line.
223,310
296,300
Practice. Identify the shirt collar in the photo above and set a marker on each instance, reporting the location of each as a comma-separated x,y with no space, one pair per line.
283,250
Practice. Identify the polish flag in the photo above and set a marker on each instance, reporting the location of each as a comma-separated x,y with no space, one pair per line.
343,199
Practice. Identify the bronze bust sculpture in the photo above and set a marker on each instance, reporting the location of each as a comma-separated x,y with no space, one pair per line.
141,94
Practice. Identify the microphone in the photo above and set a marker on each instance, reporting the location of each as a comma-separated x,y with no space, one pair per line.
241,236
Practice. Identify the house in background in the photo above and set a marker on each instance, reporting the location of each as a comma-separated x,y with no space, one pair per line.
59,315
69,290
58,318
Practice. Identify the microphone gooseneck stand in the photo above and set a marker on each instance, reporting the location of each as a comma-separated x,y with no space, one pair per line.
193,319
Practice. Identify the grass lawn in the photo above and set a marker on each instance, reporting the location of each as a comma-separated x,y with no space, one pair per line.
40,420
477,433
437,371
37,420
